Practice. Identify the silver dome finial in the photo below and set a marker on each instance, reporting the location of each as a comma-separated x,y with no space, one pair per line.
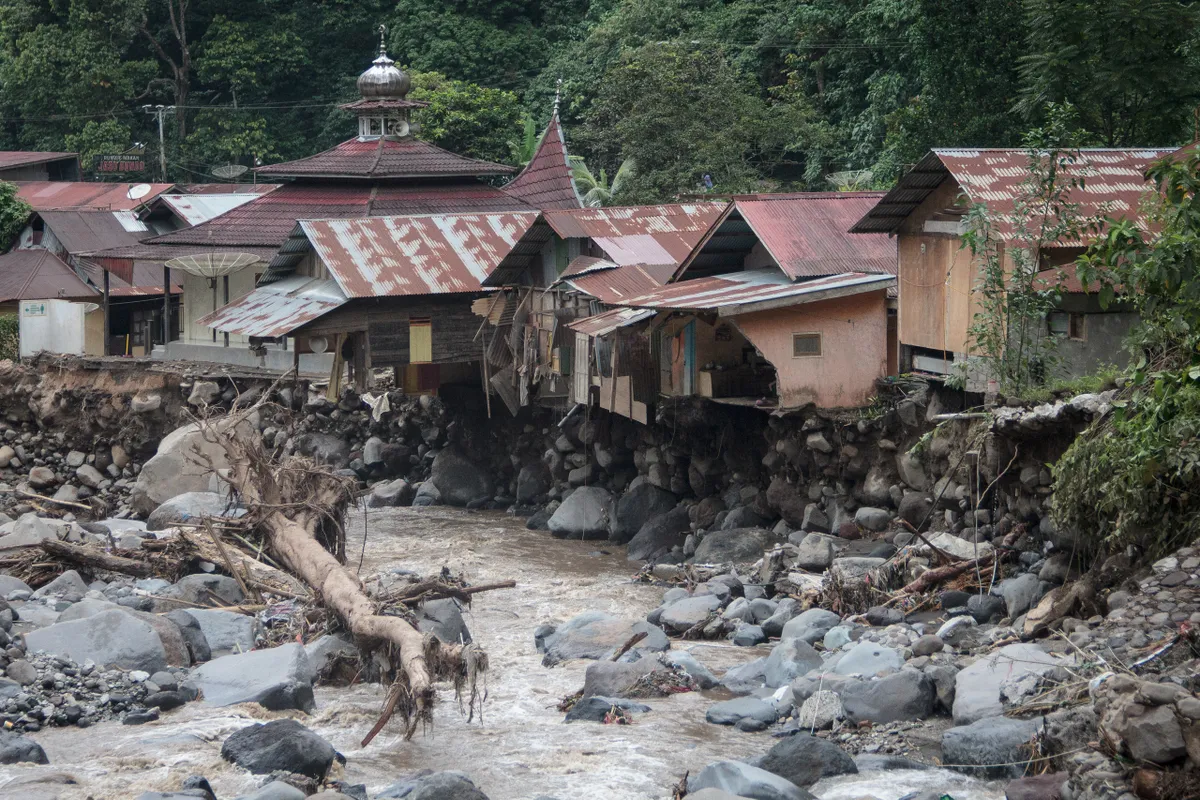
382,39
383,80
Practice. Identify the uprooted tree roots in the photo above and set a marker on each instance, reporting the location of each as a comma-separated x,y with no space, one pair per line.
297,508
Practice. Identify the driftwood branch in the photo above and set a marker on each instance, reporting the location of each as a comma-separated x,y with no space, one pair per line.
294,504
94,558
437,590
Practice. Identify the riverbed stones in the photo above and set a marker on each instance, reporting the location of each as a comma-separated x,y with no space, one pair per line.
815,553
109,639
702,675
459,480
743,780
435,786
28,530
821,710
283,745
67,583
278,678
873,519
804,759
977,687
596,635
276,790
615,678
324,448
990,747
732,546
386,494
200,589
586,514
15,748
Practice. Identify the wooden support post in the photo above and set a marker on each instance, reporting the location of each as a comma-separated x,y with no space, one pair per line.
107,320
166,309
487,384
226,279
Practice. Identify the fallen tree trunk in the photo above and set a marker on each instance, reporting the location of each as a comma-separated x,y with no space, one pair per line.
293,503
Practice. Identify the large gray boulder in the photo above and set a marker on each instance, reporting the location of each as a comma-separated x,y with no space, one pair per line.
745,678
15,748
869,659
978,747
200,589
688,612
597,635
459,480
533,481
638,506
804,760
436,786
110,639
977,687
277,679
225,631
29,530
743,780
191,507
324,448
585,514
444,619
811,625
731,712
184,462
386,494
615,678
733,546
903,696
660,535
283,745
67,583
790,659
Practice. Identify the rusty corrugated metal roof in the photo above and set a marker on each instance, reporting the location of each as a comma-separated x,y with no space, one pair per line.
663,234
277,309
401,256
83,195
385,158
267,221
614,286
581,265
547,181
89,231
1115,183
755,290
10,159
203,206
807,234
609,321
39,275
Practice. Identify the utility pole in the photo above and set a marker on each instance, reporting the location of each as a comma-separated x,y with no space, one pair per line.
160,111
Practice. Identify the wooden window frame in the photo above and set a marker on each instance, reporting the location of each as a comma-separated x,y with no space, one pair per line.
1077,327
796,335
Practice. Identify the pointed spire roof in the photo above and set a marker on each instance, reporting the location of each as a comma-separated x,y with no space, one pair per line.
547,182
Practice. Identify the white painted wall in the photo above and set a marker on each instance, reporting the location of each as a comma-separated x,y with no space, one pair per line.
55,326
198,302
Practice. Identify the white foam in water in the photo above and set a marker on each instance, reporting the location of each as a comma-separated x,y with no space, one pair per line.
896,783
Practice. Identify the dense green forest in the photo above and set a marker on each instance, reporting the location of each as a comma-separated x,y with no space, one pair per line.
755,94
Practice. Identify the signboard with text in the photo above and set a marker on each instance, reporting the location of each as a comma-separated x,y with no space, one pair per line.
124,162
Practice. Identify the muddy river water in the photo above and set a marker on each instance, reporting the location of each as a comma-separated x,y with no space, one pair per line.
520,749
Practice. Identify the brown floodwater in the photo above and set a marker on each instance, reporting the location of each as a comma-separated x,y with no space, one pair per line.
519,750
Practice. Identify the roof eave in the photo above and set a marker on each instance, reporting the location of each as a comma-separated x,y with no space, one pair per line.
805,299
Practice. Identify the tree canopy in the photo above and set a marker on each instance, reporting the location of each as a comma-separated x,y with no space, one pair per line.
745,94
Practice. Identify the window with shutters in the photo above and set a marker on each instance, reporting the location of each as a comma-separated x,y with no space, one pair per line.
806,345
420,340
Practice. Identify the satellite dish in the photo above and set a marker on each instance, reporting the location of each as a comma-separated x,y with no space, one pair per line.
229,171
138,191
89,308
213,265
318,344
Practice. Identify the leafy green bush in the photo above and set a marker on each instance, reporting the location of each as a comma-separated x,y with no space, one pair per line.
1134,478
9,337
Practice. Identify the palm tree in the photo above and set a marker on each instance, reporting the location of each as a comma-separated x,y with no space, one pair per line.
523,149
854,180
597,191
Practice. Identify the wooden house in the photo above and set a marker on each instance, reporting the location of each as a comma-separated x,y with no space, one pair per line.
938,276
777,306
382,292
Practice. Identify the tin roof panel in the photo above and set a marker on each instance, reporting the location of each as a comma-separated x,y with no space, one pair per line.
84,195
736,289
403,256
277,309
